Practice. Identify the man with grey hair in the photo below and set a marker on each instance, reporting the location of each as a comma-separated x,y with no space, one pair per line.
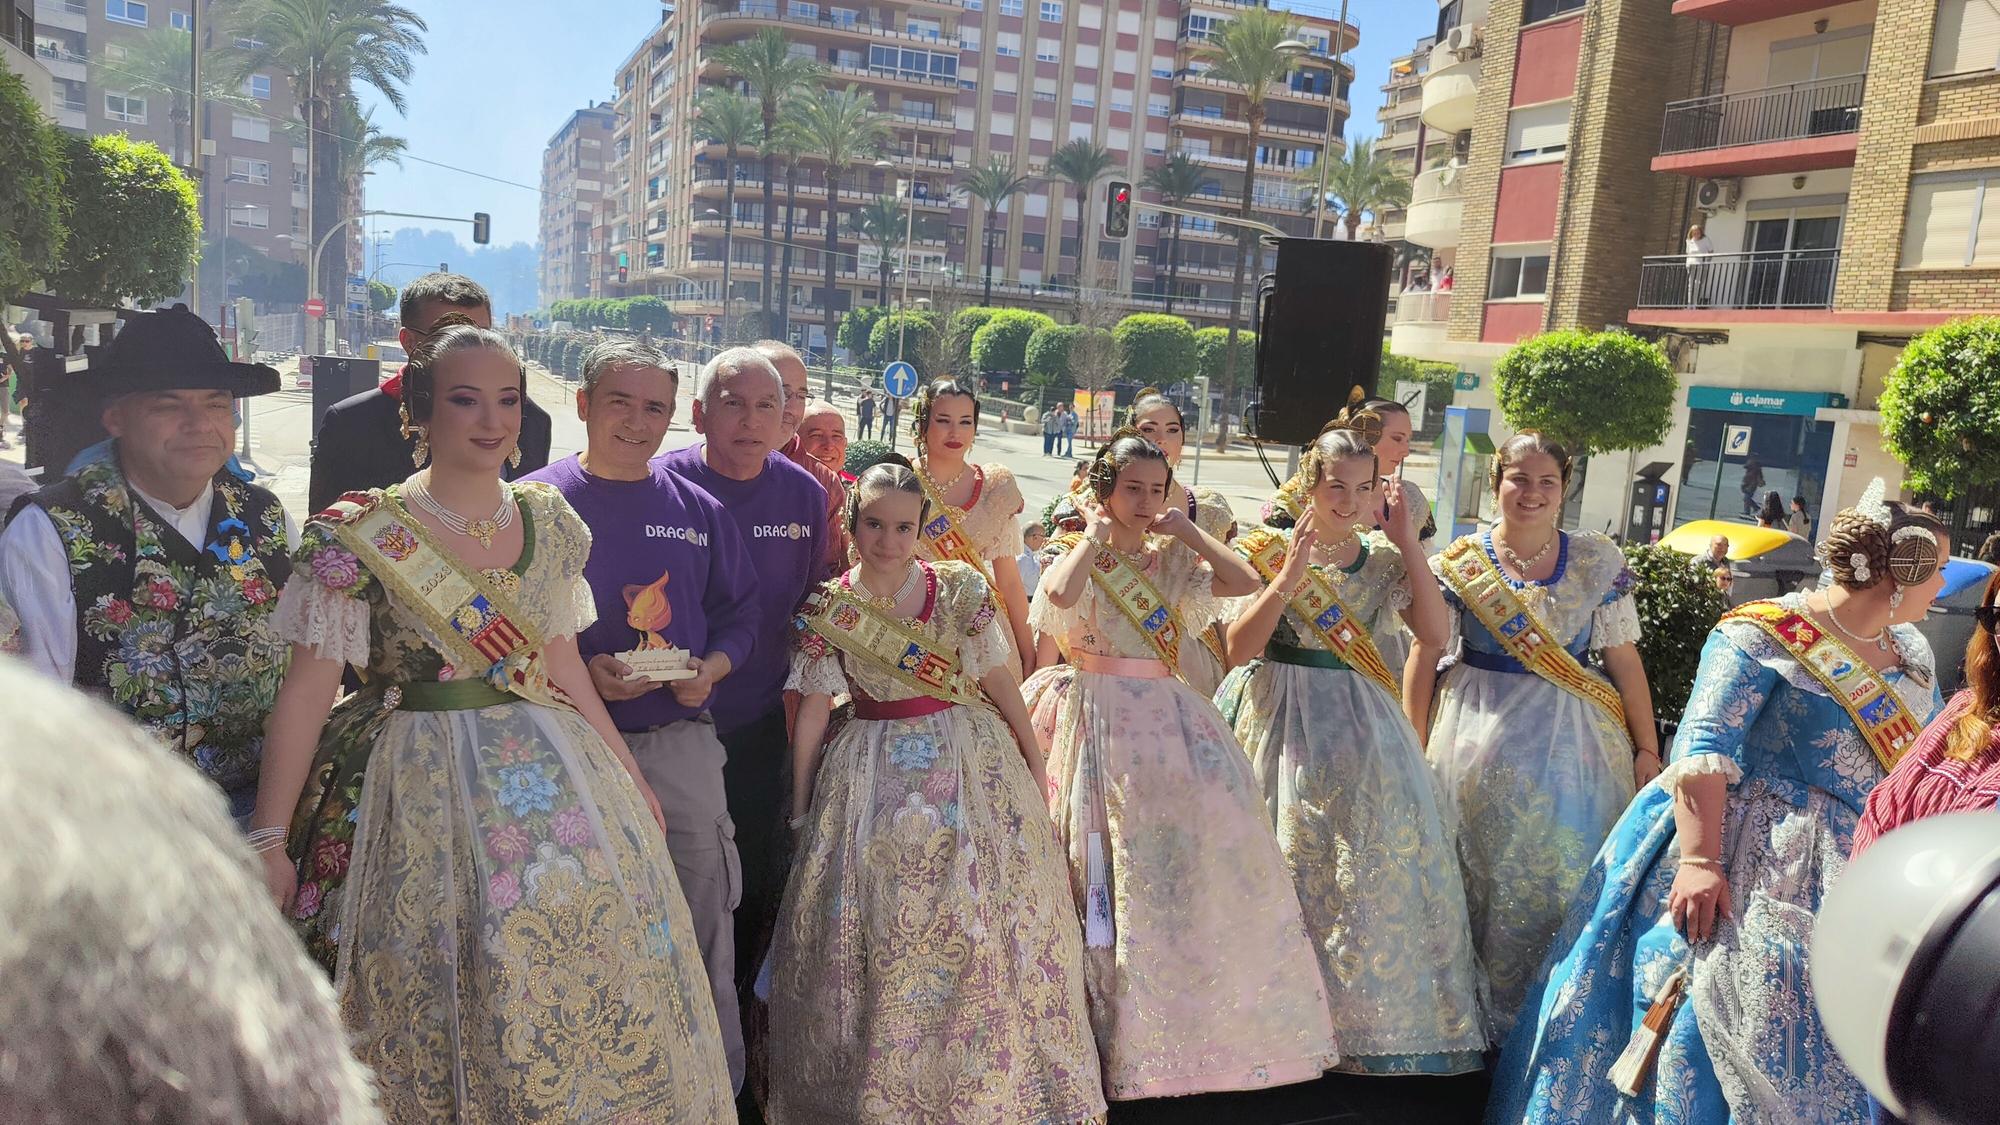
144,975
781,512
798,399
667,567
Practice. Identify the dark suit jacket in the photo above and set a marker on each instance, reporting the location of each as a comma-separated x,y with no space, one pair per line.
360,446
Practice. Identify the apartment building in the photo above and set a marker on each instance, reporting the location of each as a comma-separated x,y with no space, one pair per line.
959,82
255,173
1399,131
17,51
574,165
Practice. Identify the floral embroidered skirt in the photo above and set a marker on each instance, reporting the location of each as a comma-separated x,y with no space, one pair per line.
512,943
1537,777
1201,975
927,965
1747,1045
1370,849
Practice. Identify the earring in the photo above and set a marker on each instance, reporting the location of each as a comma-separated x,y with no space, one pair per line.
422,452
514,458
1896,598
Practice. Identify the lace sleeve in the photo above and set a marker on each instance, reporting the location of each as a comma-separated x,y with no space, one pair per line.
328,621
981,646
816,670
1045,619
1199,606
573,608
1001,538
1614,623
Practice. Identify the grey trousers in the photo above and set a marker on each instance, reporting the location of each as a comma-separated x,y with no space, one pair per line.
683,763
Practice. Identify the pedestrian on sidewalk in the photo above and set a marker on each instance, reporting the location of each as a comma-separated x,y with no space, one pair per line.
1069,424
1051,428
864,415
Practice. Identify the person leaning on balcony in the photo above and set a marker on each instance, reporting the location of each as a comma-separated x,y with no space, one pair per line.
1698,249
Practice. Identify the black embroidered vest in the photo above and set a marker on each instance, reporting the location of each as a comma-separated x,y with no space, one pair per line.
178,635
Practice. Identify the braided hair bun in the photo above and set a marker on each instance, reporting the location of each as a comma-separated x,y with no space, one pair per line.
1856,550
1862,550
1125,448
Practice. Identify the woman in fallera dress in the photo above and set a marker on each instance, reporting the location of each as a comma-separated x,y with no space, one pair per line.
1678,989
1159,421
1200,974
1356,807
928,965
1538,749
510,940
975,510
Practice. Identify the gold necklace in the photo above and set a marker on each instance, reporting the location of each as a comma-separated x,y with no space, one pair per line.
483,530
888,604
943,486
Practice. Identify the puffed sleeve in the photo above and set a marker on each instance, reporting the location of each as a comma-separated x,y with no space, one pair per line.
815,665
1045,618
324,604
981,647
572,607
1454,607
1730,691
1393,573
1199,607
1616,620
1001,538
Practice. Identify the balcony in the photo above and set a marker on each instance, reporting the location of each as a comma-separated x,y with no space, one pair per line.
1422,320
771,13
1738,12
1451,91
1437,208
1755,280
1797,128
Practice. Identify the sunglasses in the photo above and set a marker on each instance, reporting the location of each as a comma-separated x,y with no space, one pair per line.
1988,617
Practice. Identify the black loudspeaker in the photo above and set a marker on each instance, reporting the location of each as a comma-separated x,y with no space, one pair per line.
1324,313
335,377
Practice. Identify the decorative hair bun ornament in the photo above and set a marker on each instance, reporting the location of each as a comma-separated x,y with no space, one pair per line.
1858,563
1913,555
1367,424
1872,504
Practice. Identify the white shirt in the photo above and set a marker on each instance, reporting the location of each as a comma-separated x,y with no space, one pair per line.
35,582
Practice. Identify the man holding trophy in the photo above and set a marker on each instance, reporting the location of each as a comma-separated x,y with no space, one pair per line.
676,612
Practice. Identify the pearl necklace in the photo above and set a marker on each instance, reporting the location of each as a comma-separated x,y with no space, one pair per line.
943,486
888,604
483,530
1521,565
1880,640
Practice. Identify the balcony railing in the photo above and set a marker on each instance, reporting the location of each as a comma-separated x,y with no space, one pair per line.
1422,306
1823,107
1757,279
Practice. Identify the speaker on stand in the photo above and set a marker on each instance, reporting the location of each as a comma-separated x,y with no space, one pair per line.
1324,313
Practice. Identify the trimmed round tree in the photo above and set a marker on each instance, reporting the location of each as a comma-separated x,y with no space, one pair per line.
917,331
1049,355
1155,348
32,204
133,224
1678,604
649,314
1594,392
855,326
1211,350
1941,407
1001,344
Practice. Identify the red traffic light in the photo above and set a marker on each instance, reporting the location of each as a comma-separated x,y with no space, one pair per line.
1118,210
1124,195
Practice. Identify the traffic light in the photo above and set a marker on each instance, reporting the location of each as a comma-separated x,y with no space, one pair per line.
482,228
622,275
1118,210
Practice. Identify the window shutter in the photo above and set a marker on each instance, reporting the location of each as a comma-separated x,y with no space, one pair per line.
1986,252
1538,128
1967,37
1940,225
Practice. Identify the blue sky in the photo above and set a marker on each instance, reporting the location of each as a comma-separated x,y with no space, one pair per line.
502,76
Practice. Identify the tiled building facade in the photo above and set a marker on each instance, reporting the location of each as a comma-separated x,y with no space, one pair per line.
574,165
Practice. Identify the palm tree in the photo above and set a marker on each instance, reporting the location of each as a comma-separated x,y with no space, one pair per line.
325,47
993,184
766,62
792,147
843,129
363,145
1179,179
882,222
729,120
1079,163
1363,181
1247,51
154,65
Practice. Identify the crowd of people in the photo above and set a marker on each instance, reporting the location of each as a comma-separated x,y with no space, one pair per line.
642,786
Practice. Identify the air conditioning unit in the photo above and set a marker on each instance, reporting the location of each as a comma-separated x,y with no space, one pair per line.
1718,194
1462,41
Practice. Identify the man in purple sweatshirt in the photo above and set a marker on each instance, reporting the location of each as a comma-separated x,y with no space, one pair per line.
781,511
667,567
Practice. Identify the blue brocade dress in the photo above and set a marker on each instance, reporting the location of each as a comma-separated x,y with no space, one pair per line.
1747,1044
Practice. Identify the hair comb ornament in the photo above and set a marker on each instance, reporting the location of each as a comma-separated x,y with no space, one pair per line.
1871,505
1913,555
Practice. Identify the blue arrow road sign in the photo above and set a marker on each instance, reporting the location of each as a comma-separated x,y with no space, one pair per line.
899,379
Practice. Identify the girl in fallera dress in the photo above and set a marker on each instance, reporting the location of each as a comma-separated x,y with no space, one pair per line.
510,939
975,510
1357,810
1159,421
928,964
1538,750
1200,973
1698,913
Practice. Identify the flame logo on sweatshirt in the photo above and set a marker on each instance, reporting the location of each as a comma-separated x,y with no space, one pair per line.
647,610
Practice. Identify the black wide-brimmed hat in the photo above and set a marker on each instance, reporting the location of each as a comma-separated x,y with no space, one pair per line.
170,350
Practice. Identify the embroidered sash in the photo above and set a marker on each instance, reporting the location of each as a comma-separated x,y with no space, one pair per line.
1485,591
1322,610
943,533
1885,723
462,612
1141,603
858,629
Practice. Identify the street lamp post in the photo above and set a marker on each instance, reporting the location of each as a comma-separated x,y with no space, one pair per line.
1297,47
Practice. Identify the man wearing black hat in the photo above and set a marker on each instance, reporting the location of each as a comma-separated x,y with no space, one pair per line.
151,575
361,443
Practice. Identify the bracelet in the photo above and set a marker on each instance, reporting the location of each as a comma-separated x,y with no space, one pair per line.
796,823
263,840
1700,861
1654,753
